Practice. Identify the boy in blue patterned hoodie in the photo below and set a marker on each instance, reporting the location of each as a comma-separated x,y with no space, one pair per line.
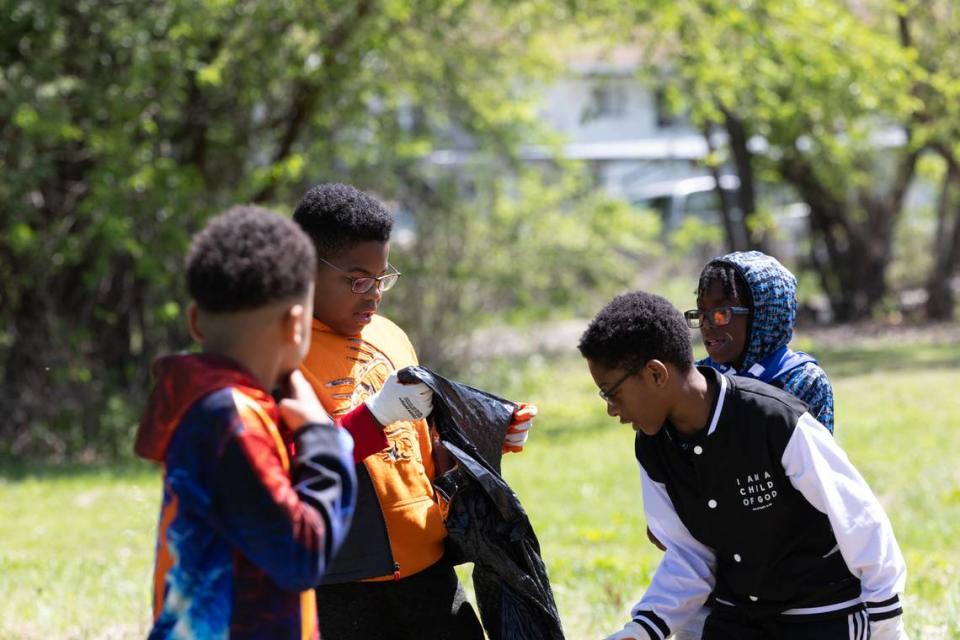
746,309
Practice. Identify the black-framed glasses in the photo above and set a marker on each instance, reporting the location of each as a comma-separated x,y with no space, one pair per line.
608,393
718,317
366,283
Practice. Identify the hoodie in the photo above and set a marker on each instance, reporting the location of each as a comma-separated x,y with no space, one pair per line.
768,358
251,512
398,527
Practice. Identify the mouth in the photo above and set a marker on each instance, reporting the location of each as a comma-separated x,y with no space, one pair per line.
715,343
365,316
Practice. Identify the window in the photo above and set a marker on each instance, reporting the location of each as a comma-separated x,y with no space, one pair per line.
666,116
609,101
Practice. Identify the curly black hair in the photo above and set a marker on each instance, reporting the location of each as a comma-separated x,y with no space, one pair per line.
734,285
246,258
337,216
635,328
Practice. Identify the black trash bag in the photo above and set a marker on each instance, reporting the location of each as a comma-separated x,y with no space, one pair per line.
486,522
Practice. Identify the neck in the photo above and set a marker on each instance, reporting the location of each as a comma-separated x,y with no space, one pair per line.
257,361
696,398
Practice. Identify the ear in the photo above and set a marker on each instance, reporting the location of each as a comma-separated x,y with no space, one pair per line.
193,322
658,371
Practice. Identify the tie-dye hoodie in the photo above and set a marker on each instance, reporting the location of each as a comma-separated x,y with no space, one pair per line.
767,357
251,512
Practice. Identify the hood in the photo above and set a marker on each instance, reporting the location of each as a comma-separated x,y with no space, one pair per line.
774,292
182,380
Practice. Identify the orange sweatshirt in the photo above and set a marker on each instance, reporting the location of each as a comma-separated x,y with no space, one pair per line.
344,371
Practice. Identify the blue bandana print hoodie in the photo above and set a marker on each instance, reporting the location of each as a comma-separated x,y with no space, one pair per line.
768,358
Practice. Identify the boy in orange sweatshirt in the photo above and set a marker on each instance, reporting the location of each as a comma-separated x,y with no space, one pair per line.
391,579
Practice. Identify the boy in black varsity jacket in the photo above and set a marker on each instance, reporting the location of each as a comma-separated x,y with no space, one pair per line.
746,309
758,507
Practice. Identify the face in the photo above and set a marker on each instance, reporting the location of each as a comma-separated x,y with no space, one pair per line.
725,344
640,399
334,303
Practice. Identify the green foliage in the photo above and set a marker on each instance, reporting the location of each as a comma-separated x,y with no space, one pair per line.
525,250
123,126
824,86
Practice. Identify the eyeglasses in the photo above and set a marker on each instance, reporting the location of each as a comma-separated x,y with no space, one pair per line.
366,283
719,317
608,393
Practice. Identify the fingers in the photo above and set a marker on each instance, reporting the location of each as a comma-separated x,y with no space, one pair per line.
519,429
303,406
397,401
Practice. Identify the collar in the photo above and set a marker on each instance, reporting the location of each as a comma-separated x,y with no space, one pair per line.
713,376
723,384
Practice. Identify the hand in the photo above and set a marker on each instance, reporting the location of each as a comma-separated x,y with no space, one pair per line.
303,406
889,629
397,401
519,429
630,631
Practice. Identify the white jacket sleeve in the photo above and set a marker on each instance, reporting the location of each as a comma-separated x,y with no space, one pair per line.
820,470
684,577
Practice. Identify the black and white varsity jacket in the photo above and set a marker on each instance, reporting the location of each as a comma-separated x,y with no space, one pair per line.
763,510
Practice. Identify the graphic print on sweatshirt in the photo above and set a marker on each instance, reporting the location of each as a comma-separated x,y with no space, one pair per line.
757,490
374,367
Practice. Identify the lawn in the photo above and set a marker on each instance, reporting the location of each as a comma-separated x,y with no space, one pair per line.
77,543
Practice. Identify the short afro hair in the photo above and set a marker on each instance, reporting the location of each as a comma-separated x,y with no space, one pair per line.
338,216
247,258
734,285
635,328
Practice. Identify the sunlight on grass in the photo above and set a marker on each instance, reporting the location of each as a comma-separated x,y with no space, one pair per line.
77,555
78,544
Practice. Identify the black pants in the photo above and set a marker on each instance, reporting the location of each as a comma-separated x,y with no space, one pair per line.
429,605
728,623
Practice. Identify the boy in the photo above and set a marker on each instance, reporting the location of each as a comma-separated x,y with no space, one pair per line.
390,579
757,505
746,309
253,508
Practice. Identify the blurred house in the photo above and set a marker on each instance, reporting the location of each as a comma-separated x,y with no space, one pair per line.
619,123
611,112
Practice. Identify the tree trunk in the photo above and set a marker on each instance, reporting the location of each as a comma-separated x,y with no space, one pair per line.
850,254
946,244
732,234
743,161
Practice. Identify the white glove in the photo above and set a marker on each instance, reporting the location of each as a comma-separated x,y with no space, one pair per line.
631,631
397,401
889,629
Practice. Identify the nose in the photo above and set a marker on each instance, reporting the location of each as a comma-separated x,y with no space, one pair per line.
375,294
612,411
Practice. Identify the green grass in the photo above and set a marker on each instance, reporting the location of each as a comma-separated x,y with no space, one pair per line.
77,544
77,552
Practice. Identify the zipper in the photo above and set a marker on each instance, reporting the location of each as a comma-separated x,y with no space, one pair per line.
386,527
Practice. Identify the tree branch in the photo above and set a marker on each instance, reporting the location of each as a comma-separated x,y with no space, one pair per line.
306,92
